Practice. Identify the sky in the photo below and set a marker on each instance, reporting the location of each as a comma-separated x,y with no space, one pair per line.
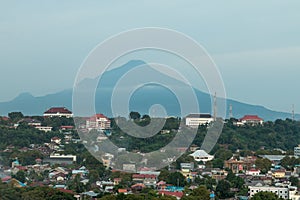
255,44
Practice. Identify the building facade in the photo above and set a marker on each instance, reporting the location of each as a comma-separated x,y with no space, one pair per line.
58,112
281,192
194,120
98,121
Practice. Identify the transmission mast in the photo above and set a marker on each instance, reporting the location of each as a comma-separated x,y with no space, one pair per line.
230,112
215,106
293,112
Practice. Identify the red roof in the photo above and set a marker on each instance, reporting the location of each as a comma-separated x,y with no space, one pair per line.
65,190
4,118
143,176
174,194
66,127
55,110
122,191
251,117
98,116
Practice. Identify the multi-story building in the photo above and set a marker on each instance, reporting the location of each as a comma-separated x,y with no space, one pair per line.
194,120
282,192
297,151
98,121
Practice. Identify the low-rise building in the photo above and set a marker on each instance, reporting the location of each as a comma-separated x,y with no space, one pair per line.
201,155
194,120
44,128
282,192
252,120
58,112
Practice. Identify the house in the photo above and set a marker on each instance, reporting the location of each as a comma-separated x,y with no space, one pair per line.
194,120
66,128
201,155
176,194
98,121
30,122
251,119
56,140
253,172
281,192
58,112
44,128
279,173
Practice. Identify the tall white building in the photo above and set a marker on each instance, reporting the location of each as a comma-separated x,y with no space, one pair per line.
297,151
98,121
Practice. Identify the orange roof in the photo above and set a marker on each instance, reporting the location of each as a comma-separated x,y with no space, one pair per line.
251,117
122,190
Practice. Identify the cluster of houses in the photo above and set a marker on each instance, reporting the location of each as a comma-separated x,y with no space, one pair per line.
197,119
275,180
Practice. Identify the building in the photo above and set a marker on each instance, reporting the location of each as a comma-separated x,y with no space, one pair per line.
30,122
60,159
251,119
194,120
201,155
44,128
281,192
244,164
98,121
253,172
297,151
58,112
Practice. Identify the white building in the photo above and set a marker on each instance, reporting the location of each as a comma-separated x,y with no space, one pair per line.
58,112
44,128
201,155
194,120
297,151
98,121
58,156
281,192
251,119
253,172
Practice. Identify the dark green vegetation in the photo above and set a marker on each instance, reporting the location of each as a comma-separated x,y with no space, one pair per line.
8,192
283,134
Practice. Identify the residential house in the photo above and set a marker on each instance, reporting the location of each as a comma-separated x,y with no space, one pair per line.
251,120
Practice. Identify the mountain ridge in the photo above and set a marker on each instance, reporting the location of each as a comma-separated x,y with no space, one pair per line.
31,105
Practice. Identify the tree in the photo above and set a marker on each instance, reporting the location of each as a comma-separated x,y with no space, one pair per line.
176,178
223,189
20,176
265,195
201,193
15,116
134,115
263,164
294,181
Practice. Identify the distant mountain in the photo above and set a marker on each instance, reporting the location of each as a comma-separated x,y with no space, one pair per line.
142,99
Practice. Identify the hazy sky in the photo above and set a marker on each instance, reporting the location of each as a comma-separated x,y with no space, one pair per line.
256,44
